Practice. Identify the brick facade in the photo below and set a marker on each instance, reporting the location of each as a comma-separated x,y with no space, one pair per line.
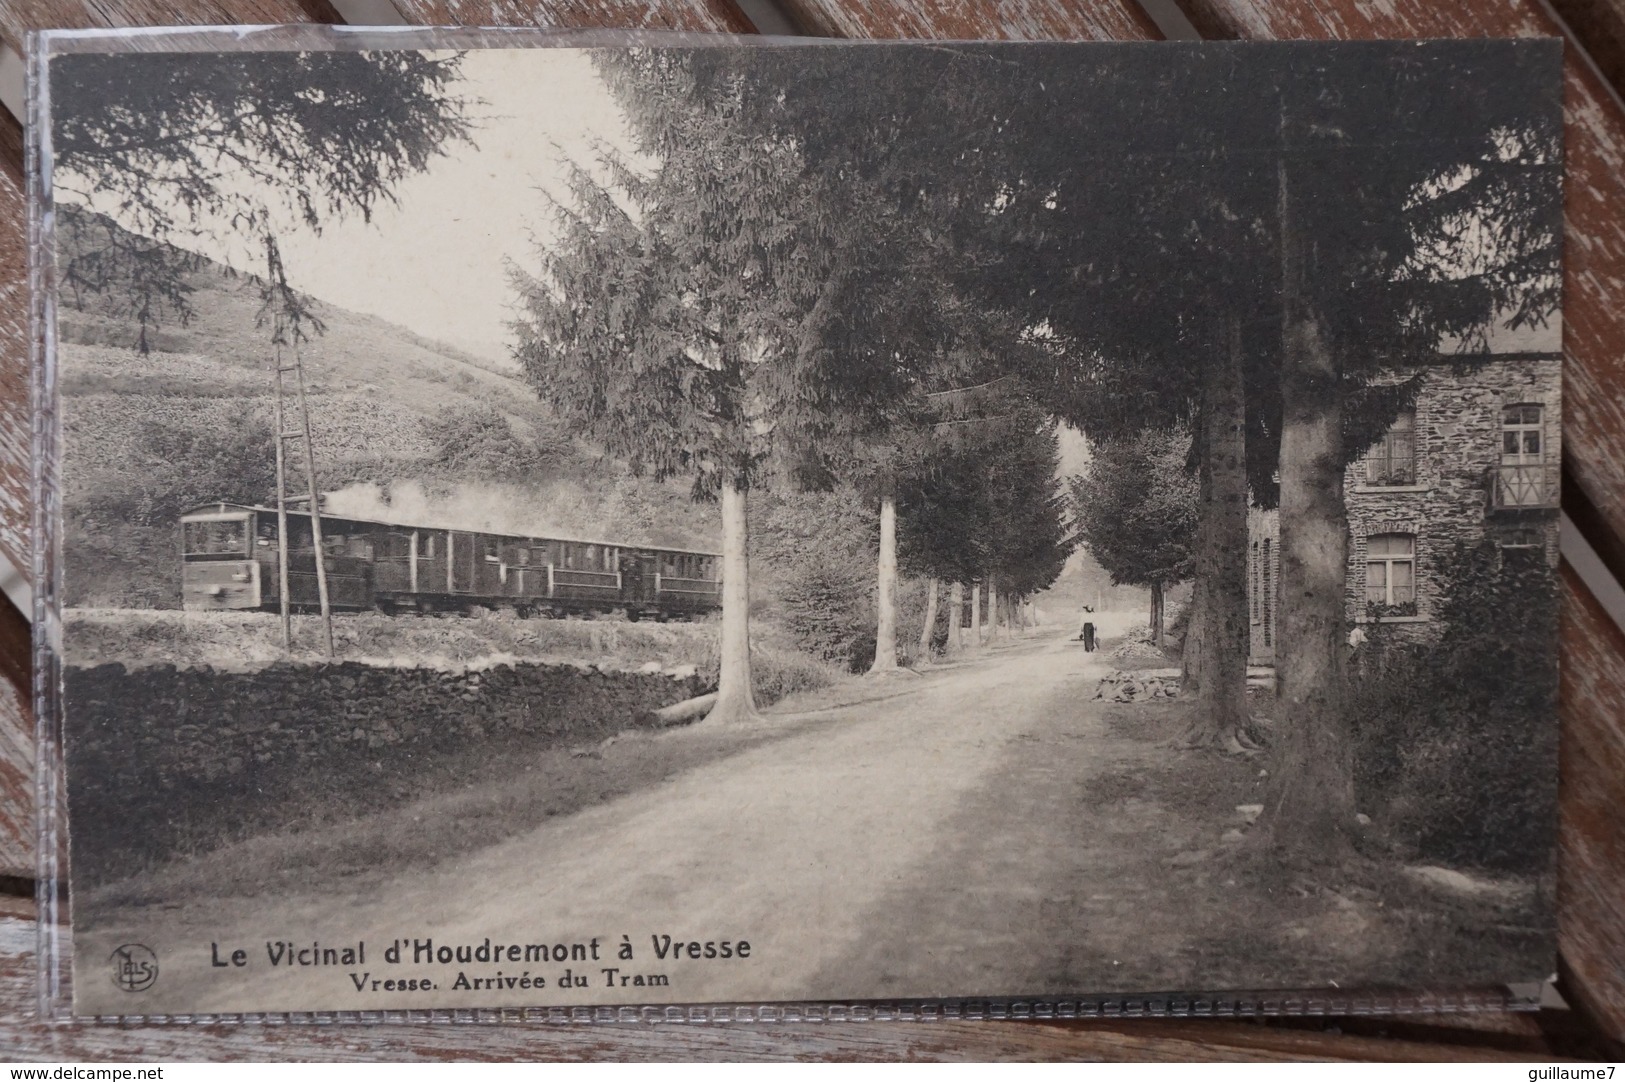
1462,481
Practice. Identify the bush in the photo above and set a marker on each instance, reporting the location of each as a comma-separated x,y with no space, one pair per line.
829,608
1455,742
815,554
479,440
776,673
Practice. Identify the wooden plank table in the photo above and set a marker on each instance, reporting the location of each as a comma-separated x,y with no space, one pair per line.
1592,875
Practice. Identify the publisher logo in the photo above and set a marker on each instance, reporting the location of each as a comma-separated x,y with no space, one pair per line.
135,967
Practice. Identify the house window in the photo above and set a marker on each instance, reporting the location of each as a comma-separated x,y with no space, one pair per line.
1390,573
216,537
1521,431
1393,460
1522,479
1523,548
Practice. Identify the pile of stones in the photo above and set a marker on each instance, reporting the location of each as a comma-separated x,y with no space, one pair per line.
1135,650
1134,687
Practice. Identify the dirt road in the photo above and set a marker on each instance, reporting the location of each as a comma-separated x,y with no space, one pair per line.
791,847
982,828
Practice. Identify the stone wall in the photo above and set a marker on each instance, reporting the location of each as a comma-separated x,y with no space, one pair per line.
168,760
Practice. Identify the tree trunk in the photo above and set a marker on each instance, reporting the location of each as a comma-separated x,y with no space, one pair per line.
1156,613
975,616
1192,674
993,611
736,700
1309,807
956,620
928,632
886,594
1221,556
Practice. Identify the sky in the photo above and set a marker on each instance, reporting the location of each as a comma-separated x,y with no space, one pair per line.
435,264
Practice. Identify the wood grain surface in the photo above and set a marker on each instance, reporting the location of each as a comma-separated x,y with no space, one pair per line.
1599,25
1016,20
717,16
1591,851
16,505
1593,933
17,17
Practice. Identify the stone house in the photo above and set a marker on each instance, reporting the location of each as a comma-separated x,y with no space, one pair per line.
1477,457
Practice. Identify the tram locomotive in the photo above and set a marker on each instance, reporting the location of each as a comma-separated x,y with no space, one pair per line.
229,562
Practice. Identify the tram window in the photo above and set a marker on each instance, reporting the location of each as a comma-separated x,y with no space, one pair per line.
426,546
216,537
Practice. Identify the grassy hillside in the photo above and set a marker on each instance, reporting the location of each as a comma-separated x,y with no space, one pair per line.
397,421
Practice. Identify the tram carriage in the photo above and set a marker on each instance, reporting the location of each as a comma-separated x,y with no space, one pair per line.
229,562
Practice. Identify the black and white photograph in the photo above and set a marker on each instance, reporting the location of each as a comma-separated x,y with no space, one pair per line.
683,522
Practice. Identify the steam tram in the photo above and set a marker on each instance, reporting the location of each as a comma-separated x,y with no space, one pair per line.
229,562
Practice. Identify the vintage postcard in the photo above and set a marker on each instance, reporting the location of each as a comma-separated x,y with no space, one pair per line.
695,521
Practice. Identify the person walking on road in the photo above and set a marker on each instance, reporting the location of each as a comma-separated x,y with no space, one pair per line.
1087,631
